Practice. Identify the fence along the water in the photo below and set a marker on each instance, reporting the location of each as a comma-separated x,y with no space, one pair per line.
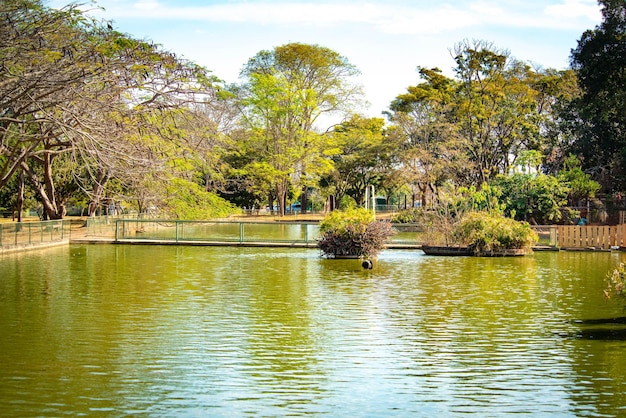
591,236
562,236
105,226
16,234
241,232
245,232
216,231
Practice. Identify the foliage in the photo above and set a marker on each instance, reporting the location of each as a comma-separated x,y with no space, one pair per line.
361,156
598,115
187,200
536,198
454,203
580,183
9,196
288,89
495,108
84,107
467,199
75,91
407,216
338,221
429,150
466,129
616,281
353,233
487,233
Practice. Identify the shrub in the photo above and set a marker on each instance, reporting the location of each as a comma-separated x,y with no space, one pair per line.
339,221
408,216
485,232
538,197
188,200
353,233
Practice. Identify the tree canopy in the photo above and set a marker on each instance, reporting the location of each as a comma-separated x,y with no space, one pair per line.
287,91
598,115
76,88
91,116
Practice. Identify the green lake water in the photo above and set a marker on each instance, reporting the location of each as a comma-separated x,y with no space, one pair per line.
114,330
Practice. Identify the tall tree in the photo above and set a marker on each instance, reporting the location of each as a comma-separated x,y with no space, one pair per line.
555,89
288,90
494,103
429,150
72,85
363,155
599,114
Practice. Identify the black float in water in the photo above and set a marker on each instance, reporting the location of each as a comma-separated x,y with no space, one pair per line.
367,264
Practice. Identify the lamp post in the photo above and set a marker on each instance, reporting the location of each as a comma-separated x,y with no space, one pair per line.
370,199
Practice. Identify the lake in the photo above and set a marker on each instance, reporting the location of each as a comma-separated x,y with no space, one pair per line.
118,330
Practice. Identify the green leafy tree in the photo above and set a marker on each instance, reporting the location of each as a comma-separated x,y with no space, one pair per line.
186,199
493,107
362,155
555,91
536,198
287,91
598,116
473,127
429,149
580,183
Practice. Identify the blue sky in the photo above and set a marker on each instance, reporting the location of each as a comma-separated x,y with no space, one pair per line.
386,40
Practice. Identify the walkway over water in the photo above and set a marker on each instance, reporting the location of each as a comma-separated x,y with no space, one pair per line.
276,233
231,233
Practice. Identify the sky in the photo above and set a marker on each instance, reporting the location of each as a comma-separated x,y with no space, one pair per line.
385,40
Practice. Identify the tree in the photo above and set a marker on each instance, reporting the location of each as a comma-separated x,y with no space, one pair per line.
494,105
471,128
581,185
363,155
287,92
554,92
534,197
429,149
71,85
599,114
47,57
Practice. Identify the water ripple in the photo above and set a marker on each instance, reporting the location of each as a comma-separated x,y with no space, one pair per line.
165,331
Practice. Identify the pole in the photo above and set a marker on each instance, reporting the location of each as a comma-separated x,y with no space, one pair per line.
373,197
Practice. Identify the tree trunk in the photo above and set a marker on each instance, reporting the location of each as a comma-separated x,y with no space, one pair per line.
281,191
98,191
20,196
46,190
329,204
304,200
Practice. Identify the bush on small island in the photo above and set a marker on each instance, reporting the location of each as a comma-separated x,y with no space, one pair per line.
353,233
489,233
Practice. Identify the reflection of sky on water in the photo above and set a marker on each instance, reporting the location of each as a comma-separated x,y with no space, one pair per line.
248,331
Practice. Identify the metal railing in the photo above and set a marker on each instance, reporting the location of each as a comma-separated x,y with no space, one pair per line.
227,231
216,231
105,226
131,228
14,234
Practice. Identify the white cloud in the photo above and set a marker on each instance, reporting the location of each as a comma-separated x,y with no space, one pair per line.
574,9
389,17
385,39
146,6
